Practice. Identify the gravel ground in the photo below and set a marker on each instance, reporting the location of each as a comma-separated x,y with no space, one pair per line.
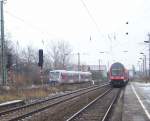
116,113
63,111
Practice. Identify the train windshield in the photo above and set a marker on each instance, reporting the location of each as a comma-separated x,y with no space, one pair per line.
54,75
117,72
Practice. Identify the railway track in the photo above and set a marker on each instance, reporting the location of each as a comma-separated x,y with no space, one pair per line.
11,104
98,109
30,109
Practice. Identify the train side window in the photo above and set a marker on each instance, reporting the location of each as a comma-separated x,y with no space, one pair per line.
63,76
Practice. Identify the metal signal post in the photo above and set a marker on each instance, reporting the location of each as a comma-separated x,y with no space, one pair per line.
40,64
3,57
149,53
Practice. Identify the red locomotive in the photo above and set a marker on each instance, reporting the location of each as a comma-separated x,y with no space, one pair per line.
118,75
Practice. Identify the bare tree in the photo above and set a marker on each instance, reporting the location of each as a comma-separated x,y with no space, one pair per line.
30,55
47,62
29,65
25,61
65,51
60,54
8,52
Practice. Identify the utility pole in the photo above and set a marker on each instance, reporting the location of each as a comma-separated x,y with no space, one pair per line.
145,66
142,65
64,62
79,66
3,58
99,65
149,53
78,61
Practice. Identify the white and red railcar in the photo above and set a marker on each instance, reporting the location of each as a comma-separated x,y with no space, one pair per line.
118,75
63,76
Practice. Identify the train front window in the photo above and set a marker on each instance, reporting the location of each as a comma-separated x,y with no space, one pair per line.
116,72
54,75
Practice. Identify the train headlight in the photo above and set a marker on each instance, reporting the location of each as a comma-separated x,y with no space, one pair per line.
122,77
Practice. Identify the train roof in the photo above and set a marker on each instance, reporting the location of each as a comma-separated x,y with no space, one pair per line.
117,64
65,71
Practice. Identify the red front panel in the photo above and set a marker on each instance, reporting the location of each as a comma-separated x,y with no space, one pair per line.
116,78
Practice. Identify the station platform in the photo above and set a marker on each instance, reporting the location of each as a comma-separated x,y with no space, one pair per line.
10,104
136,102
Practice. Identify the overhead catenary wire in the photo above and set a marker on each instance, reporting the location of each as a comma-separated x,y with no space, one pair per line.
29,24
22,20
35,27
32,26
90,15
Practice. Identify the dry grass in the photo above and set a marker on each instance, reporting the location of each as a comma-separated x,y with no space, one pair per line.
34,93
25,94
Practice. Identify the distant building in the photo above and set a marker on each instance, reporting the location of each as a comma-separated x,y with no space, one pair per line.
99,68
87,67
75,67
98,72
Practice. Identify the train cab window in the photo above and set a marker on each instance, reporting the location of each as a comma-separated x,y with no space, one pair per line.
63,76
54,75
117,72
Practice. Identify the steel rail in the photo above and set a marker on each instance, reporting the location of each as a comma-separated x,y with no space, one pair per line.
49,99
92,102
53,104
110,106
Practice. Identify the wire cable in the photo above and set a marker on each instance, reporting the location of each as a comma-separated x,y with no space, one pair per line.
29,24
90,15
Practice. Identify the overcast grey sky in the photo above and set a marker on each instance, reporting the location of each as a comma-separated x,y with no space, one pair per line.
31,21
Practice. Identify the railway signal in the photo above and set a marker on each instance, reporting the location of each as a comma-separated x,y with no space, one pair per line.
40,64
9,61
40,58
9,68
